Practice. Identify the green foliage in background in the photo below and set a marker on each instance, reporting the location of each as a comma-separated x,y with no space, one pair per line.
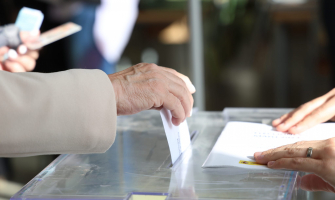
230,9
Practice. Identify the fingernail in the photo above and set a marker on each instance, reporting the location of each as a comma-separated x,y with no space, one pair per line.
270,164
23,49
192,88
12,54
281,125
278,119
259,156
5,57
191,112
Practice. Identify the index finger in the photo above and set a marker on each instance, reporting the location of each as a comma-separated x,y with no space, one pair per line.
299,114
319,115
286,153
181,91
298,164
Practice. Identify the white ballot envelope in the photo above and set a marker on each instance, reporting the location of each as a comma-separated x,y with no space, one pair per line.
178,137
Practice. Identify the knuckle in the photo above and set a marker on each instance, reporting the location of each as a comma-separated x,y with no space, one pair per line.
296,115
151,66
296,162
331,141
157,85
329,151
173,70
271,152
158,101
284,116
182,98
184,91
327,166
143,67
298,144
178,105
138,65
268,152
279,162
316,115
291,151
157,75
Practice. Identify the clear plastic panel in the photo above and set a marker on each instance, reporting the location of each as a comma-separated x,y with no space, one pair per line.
139,162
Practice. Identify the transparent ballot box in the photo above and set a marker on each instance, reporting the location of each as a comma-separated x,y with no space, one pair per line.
138,166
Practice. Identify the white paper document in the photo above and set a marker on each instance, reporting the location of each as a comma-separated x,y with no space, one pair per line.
239,141
178,137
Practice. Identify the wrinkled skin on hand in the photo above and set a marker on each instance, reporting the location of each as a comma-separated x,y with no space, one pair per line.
294,157
148,86
308,115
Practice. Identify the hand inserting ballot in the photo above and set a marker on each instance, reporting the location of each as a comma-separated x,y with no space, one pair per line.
148,86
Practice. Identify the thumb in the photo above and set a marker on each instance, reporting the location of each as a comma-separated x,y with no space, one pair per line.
27,37
312,182
3,50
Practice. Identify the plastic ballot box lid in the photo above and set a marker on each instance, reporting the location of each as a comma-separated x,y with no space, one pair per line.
138,166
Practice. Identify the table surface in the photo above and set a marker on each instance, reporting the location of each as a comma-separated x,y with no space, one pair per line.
139,163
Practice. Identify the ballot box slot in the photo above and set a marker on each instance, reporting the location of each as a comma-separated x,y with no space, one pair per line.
193,136
167,164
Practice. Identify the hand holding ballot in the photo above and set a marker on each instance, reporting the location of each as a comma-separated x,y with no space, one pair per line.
308,115
148,86
294,157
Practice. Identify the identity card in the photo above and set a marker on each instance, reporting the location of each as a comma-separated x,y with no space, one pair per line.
54,35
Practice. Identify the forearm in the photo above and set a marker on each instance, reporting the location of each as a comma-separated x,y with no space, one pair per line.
65,112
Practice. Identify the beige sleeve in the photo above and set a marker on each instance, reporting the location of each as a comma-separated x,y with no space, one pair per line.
65,112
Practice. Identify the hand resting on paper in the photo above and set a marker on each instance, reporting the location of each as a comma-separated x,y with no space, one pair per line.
308,115
148,86
321,165
23,60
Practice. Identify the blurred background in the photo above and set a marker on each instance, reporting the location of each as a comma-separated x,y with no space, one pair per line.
246,53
